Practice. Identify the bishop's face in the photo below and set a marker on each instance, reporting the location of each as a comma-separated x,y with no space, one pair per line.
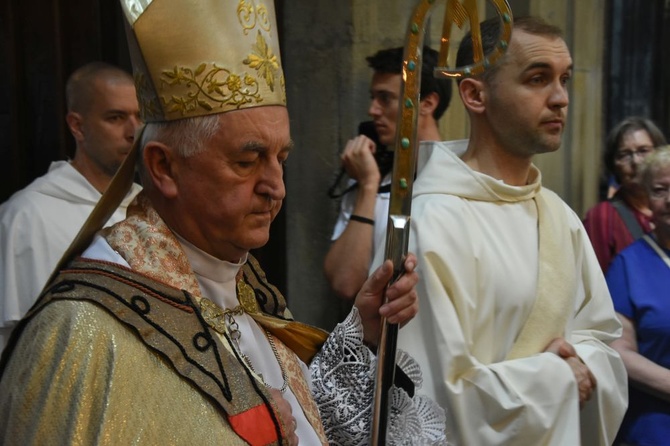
230,192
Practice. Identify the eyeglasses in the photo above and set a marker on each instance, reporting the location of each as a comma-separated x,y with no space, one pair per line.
659,193
627,155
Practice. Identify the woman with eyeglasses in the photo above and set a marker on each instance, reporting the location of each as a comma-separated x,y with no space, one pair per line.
639,282
615,223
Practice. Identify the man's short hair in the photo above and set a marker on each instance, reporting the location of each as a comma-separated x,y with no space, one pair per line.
390,61
490,32
79,86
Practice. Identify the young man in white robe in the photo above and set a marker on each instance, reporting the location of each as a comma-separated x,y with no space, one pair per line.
39,222
515,315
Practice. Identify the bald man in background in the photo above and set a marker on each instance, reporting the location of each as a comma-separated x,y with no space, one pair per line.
38,222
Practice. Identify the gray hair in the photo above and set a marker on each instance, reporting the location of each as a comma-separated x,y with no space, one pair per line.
188,136
655,161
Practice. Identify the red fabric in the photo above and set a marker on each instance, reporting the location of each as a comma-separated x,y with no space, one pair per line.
608,232
255,426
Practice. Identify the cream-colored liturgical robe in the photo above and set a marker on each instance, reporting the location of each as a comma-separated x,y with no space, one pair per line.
477,245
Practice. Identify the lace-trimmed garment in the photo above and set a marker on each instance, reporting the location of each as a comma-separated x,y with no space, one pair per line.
343,380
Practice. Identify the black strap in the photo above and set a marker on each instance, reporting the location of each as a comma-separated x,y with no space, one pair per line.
628,218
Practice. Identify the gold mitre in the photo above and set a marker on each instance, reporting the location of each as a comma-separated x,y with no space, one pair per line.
202,57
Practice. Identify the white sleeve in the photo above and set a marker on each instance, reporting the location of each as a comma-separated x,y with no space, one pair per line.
343,380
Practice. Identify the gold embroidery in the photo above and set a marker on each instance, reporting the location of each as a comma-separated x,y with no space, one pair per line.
211,87
249,16
213,315
263,61
247,297
263,18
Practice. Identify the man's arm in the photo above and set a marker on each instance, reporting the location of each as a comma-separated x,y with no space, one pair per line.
347,262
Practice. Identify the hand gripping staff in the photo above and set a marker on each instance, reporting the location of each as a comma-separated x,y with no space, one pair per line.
406,145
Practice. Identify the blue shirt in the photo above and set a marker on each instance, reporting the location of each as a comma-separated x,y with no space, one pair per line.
639,282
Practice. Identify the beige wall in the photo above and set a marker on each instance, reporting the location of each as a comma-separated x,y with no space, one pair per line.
324,48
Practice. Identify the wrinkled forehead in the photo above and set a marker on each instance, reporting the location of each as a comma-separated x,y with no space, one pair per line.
259,128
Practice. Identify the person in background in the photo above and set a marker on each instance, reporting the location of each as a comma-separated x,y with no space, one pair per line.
361,224
615,223
515,323
40,221
639,281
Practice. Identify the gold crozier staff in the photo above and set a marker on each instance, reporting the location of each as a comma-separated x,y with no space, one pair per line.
404,164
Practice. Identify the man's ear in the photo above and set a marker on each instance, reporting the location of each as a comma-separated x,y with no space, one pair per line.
473,95
429,103
76,125
161,168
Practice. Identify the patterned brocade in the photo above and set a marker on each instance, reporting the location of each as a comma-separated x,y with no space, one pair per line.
150,248
209,57
146,243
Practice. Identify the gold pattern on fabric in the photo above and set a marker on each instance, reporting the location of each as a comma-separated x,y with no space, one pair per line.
210,57
144,229
212,88
300,388
149,246
247,297
263,61
166,320
95,369
273,301
303,339
251,15
214,315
